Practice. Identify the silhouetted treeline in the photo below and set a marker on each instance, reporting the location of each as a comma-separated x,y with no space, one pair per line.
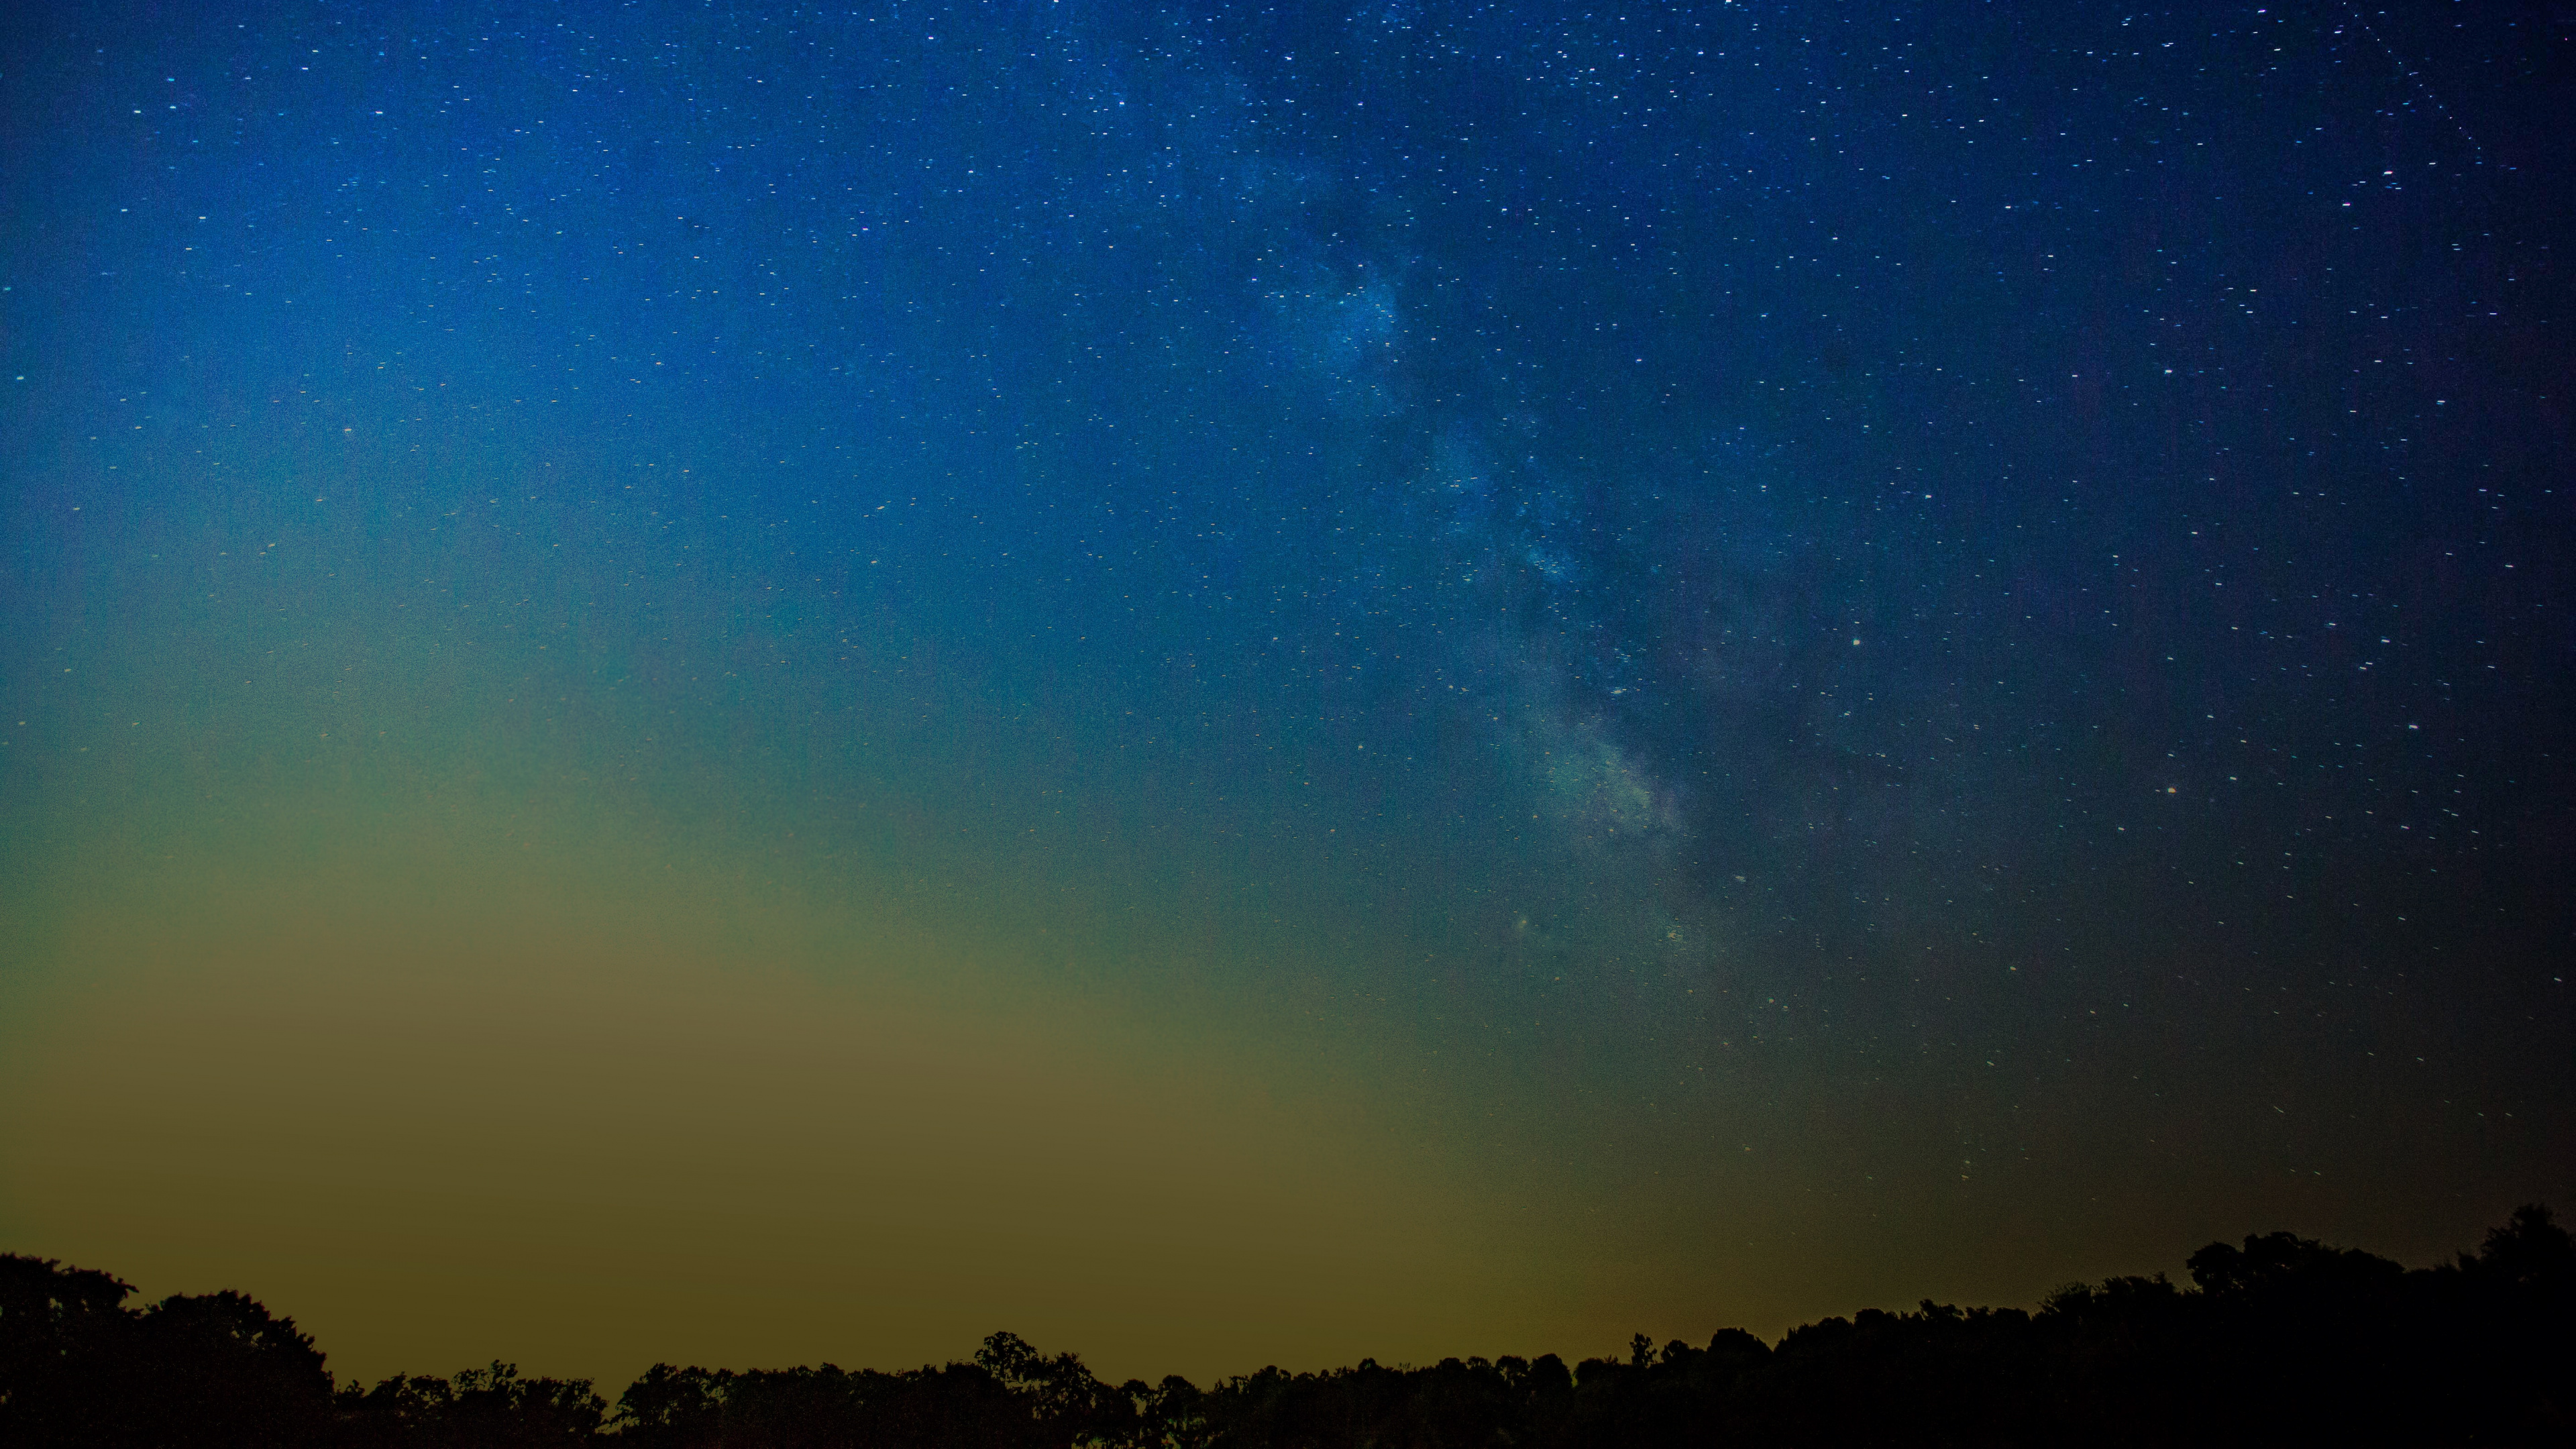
2282,1340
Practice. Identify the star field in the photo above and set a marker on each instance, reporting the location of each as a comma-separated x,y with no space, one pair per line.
1545,669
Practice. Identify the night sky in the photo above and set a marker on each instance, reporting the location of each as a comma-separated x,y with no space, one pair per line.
1232,684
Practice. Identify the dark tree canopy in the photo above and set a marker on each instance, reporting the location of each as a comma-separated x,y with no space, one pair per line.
2279,1340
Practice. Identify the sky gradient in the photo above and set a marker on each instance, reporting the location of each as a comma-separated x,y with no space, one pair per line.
1231,685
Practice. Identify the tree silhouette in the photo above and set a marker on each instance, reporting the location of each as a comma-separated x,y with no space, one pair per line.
62,1334
77,1367
2530,1253
2276,1339
485,1408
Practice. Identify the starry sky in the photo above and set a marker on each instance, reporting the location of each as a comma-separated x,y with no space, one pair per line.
1234,684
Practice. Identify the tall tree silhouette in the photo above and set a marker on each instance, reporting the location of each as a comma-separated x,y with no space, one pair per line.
217,1370
62,1334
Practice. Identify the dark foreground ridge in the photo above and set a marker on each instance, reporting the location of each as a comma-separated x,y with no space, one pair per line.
2281,1341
